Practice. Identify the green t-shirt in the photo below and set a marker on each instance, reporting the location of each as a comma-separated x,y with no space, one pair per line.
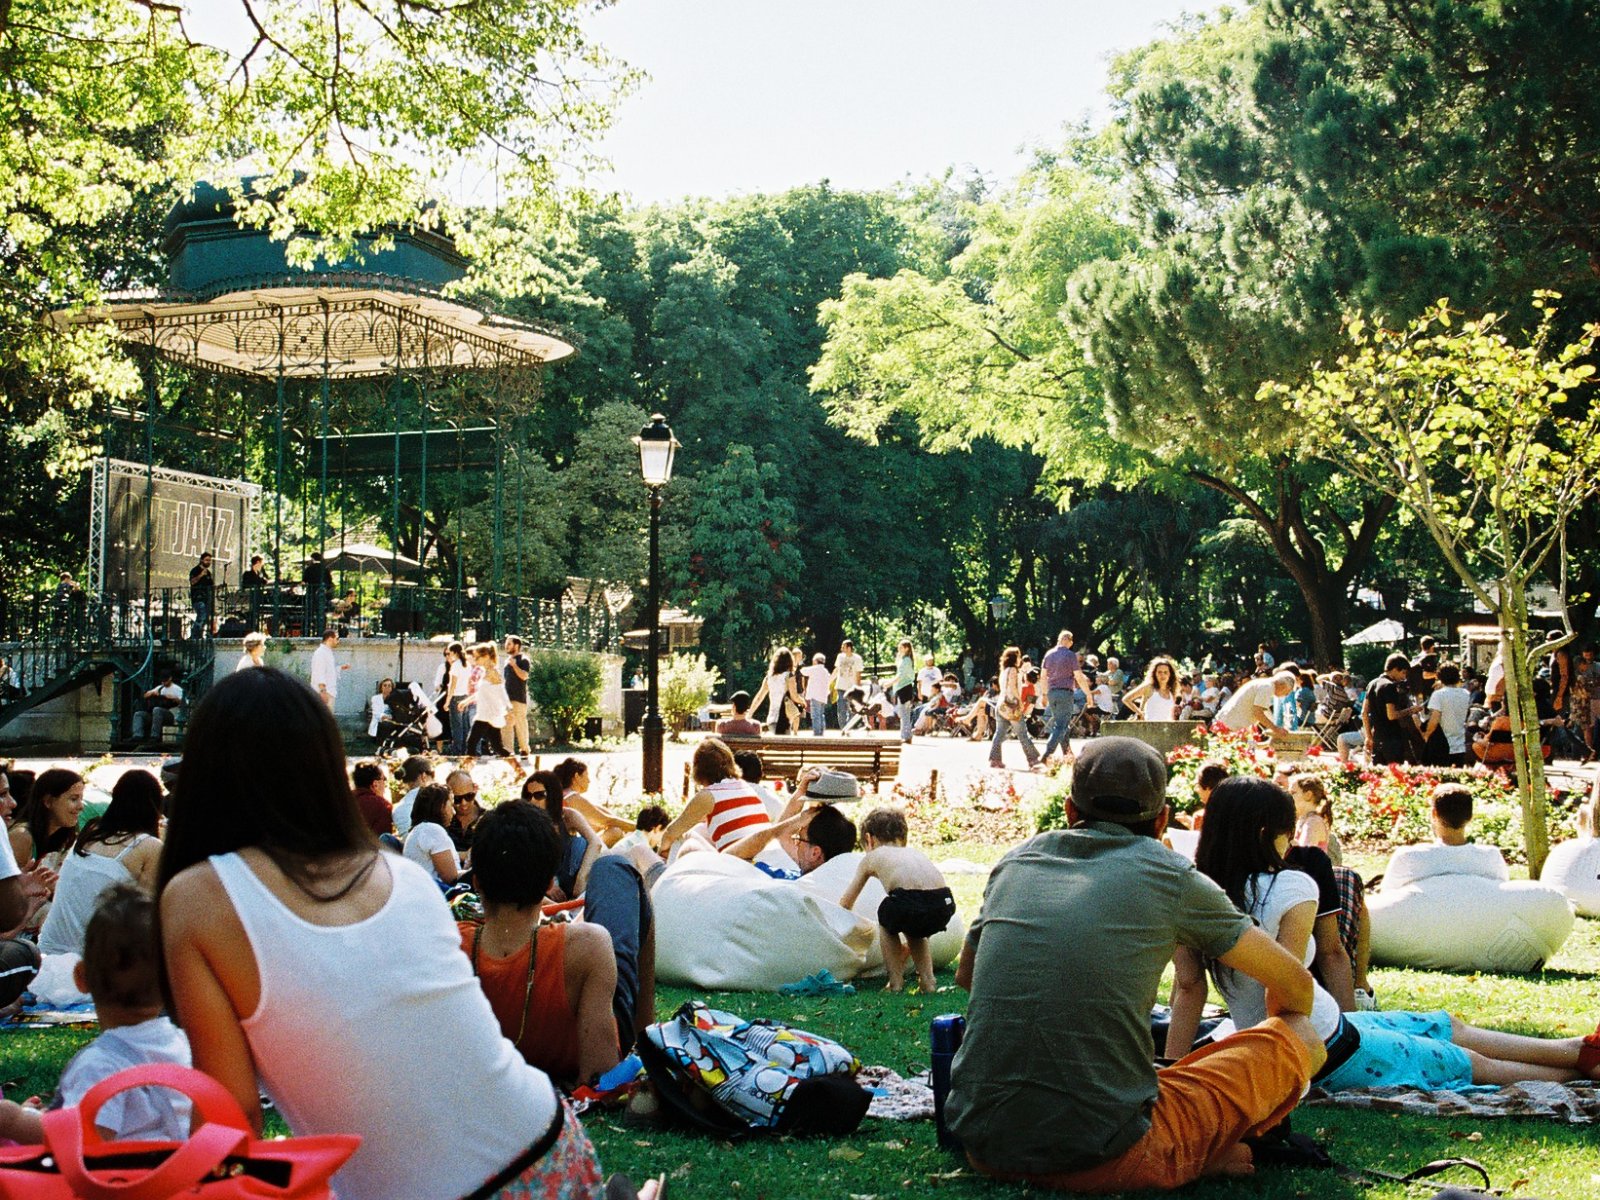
905,672
1057,1069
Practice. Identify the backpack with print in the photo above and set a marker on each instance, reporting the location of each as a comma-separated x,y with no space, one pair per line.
731,1076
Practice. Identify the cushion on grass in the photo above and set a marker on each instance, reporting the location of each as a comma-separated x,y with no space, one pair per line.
1468,923
1574,868
723,924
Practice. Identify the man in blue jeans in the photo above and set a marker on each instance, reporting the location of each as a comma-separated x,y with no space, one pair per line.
1064,678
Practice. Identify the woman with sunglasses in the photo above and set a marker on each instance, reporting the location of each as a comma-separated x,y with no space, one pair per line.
579,844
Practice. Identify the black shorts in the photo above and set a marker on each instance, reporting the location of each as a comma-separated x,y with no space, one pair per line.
919,914
19,963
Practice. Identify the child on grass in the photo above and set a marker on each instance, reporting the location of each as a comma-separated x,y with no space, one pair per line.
919,903
119,970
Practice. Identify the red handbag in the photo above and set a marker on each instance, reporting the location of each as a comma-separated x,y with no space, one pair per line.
220,1161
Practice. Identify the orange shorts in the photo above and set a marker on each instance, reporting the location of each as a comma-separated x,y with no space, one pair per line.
1209,1102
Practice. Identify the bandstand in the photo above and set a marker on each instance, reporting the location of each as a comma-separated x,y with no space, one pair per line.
306,416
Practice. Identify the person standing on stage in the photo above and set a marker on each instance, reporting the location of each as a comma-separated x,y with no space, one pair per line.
202,594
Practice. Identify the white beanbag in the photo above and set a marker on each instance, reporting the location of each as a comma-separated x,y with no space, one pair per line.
1468,923
722,924
1574,868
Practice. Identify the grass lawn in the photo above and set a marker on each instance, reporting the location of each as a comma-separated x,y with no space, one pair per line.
884,1159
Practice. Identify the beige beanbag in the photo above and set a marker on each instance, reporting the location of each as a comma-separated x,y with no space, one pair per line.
1574,868
1468,923
722,924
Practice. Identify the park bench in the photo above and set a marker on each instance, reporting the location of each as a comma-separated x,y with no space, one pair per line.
870,760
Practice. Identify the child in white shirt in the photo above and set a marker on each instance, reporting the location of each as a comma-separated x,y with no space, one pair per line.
119,969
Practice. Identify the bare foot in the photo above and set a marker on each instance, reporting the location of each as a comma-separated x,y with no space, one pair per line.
893,986
1237,1163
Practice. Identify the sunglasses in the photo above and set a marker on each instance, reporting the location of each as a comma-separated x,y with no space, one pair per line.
530,794
465,797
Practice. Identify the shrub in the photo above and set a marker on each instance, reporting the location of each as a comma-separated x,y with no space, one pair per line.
686,687
564,685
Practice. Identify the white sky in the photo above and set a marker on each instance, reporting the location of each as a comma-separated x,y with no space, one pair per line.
763,95
758,95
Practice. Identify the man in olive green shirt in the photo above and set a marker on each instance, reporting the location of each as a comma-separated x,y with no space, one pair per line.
1055,1082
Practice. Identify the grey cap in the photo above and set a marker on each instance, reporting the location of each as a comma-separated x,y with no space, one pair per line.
834,785
1119,779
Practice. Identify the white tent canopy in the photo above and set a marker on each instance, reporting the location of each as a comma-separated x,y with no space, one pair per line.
363,556
1387,631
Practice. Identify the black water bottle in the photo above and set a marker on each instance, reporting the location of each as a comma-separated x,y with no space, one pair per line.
944,1036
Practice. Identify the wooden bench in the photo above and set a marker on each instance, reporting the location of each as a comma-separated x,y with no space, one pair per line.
870,760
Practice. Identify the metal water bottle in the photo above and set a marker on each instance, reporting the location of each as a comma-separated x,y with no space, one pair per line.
944,1036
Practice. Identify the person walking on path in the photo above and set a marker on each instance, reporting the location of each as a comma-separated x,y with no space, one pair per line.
847,668
904,691
1064,678
1010,713
324,670
516,680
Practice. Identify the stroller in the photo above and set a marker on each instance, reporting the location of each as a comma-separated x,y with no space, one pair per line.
413,723
855,700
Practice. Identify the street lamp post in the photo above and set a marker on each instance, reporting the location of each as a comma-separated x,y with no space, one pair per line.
656,448
999,606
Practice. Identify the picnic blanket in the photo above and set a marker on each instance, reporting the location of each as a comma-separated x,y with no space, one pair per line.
895,1098
37,1014
1573,1103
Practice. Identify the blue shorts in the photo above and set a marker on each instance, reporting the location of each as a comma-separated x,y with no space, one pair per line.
1402,1049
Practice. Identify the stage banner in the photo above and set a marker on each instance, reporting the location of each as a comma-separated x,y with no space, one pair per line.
188,515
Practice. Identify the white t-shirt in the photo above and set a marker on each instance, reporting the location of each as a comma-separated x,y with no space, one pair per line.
1240,710
847,671
139,1114
424,841
246,662
1452,703
928,681
817,680
1411,863
8,860
402,812
1103,700
492,703
1271,897
324,671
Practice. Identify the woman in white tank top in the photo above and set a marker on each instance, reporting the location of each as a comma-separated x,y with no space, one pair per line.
120,846
299,955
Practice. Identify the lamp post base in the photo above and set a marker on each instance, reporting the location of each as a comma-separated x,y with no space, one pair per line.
654,733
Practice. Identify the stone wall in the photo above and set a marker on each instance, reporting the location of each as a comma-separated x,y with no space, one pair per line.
82,719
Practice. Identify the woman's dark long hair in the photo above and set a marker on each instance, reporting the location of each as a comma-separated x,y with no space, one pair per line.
432,804
263,766
55,782
567,770
135,808
1244,817
553,803
782,663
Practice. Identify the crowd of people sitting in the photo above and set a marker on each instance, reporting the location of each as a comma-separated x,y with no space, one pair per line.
270,923
287,940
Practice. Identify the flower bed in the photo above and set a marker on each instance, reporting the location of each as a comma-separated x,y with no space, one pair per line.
1374,807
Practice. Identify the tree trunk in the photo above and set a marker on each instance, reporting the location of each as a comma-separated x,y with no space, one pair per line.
1302,554
1524,714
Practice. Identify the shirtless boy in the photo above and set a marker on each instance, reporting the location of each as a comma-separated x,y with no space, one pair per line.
919,903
